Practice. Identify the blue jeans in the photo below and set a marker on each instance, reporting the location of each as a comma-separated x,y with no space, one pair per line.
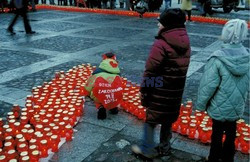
148,144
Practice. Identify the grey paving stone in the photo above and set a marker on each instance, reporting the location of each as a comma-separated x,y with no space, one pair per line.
57,26
86,140
111,151
110,32
27,82
196,41
4,108
93,18
65,43
14,59
115,122
196,27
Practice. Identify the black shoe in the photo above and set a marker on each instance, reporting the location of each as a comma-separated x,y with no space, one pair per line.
101,114
204,15
114,111
145,156
31,32
10,30
163,152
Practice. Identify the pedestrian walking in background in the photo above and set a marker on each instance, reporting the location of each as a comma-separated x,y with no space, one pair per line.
179,1
186,5
21,10
166,65
223,89
33,5
168,4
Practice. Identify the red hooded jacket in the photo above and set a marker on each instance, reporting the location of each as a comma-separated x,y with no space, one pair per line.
168,63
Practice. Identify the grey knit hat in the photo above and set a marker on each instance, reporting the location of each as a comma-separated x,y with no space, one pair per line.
234,31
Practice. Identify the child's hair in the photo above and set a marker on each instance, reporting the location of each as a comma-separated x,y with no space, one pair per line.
109,55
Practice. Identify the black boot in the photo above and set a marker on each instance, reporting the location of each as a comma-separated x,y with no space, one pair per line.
114,111
101,113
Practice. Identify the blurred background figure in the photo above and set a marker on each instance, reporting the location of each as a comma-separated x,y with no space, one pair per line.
21,10
168,4
186,5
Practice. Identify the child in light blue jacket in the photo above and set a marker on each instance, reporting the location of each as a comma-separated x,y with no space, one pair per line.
223,89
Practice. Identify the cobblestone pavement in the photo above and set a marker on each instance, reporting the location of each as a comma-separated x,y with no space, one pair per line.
64,40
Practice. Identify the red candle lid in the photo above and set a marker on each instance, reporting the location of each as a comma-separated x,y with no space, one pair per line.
54,136
22,145
33,140
23,117
8,130
247,139
32,147
43,141
184,121
7,144
11,151
205,129
2,157
6,126
19,136
25,158
30,130
24,153
10,113
192,125
8,137
35,152
46,129
193,121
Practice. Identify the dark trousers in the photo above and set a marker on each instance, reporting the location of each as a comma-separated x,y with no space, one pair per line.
224,151
148,145
21,12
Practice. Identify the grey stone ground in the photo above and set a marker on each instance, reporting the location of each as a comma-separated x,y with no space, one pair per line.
67,39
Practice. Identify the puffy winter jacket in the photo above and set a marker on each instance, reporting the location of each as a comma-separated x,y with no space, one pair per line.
165,75
225,83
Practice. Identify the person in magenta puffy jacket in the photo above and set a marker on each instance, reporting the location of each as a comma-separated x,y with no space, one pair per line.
164,81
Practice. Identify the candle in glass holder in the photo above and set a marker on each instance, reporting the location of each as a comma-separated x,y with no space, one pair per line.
192,130
23,135
12,154
3,158
22,147
8,146
8,132
69,132
34,157
184,127
141,113
55,142
39,128
55,130
43,148
24,153
237,141
204,135
245,145
32,147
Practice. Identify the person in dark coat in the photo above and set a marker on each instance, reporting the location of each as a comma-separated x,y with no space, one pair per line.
164,80
21,10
